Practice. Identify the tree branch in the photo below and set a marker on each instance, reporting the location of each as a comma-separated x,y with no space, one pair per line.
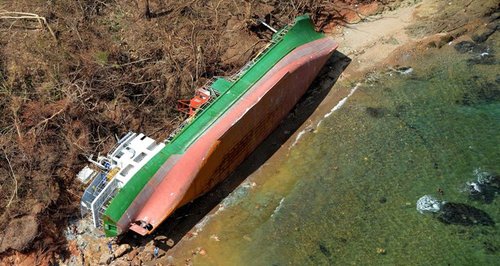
23,15
14,193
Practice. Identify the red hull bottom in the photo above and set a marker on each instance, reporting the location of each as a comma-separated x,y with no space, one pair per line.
232,138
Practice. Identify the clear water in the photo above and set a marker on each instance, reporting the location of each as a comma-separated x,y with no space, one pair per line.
348,191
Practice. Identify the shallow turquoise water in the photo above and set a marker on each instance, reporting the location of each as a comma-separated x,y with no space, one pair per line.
348,190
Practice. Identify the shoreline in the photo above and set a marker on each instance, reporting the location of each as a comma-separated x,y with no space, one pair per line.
369,52
362,47
393,47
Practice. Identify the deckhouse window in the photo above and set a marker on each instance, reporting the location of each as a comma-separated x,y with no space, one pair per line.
139,157
119,154
125,170
152,146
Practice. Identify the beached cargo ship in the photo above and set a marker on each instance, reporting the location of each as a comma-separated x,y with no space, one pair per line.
142,181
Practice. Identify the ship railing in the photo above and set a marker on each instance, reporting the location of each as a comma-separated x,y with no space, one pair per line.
102,201
120,142
92,191
276,39
249,64
176,131
240,72
280,34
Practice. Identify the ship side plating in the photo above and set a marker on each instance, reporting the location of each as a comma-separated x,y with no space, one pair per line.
228,142
136,188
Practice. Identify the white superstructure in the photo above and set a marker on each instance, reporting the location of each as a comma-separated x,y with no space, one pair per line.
112,172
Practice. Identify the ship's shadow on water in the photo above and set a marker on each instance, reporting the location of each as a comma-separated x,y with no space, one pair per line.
184,219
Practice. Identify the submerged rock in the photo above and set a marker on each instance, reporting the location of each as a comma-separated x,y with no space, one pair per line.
480,192
479,93
486,58
465,47
324,250
376,112
483,34
490,247
480,54
428,203
463,214
485,188
404,70
471,47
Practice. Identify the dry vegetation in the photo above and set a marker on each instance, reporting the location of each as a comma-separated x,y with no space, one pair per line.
73,74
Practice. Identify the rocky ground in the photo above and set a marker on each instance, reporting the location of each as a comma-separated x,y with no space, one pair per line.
103,68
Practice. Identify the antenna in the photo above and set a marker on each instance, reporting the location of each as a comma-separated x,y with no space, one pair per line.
267,25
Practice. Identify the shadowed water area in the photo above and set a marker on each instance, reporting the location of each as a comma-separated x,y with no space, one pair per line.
346,193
